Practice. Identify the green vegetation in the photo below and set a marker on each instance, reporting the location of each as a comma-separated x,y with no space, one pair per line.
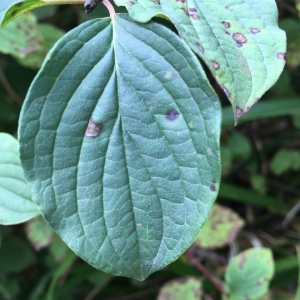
115,142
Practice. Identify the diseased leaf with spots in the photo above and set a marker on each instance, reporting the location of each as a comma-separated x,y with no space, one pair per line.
220,228
39,233
187,288
239,41
16,205
21,37
9,9
248,274
27,41
119,139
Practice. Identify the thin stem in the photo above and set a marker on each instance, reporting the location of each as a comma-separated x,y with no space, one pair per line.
110,8
12,94
204,271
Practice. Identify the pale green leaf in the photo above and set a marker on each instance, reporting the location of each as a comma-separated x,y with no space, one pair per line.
220,228
39,233
16,205
239,41
248,274
187,288
119,139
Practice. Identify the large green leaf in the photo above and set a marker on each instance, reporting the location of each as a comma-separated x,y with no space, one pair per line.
239,41
9,9
119,139
16,205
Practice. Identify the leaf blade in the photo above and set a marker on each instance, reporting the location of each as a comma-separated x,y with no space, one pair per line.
129,147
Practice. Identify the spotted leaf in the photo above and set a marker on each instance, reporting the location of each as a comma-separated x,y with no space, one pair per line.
239,41
119,139
248,274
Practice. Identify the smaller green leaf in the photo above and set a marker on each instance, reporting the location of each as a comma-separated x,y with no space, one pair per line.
285,160
9,9
239,146
51,35
188,288
21,37
15,255
248,274
39,232
293,53
16,205
27,41
221,227
258,183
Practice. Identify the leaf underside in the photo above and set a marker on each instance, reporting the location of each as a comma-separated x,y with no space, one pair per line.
239,40
119,139
16,205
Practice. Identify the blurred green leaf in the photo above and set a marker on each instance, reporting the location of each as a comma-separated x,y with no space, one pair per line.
51,35
239,146
258,183
293,52
226,160
248,274
285,160
39,232
16,205
187,288
221,228
15,255
21,37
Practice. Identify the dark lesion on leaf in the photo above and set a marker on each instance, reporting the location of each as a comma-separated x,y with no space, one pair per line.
255,30
93,129
90,5
212,186
215,65
172,115
281,55
239,38
226,24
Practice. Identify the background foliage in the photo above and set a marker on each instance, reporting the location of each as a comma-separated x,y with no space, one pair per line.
259,193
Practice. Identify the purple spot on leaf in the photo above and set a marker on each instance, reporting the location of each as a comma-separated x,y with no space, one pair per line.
172,115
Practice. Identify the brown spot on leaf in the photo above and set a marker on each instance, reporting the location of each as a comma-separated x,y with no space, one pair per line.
200,47
226,24
239,38
254,30
194,16
281,55
242,260
186,12
172,114
215,65
93,129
